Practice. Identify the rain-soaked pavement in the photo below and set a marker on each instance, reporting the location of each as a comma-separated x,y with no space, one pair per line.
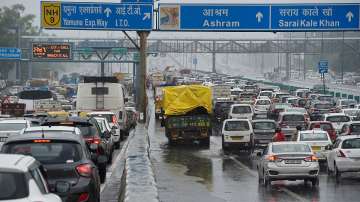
187,173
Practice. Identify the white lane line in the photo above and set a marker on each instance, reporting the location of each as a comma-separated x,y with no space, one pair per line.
255,174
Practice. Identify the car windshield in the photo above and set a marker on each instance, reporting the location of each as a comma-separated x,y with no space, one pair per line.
293,117
241,110
355,128
247,95
313,137
323,106
12,126
262,102
323,126
13,186
290,148
281,95
351,144
325,98
49,152
338,119
264,126
354,112
268,94
88,131
237,126
281,106
348,102
108,117
235,92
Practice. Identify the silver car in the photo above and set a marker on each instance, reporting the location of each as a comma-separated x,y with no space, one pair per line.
288,161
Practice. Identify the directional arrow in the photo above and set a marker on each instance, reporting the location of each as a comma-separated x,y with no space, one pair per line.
146,16
259,16
107,11
349,16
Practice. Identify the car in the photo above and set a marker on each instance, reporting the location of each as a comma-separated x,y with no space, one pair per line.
132,116
326,98
354,114
235,92
240,111
343,156
325,126
301,102
21,179
10,127
264,130
323,107
298,109
287,161
65,157
277,95
221,109
276,108
92,134
352,128
105,129
345,103
288,121
114,124
236,133
262,105
247,98
337,119
266,93
318,140
292,100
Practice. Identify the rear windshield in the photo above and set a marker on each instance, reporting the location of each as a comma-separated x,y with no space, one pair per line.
280,95
235,92
264,126
13,186
263,102
323,126
351,144
355,127
266,94
281,106
88,131
223,104
302,102
290,148
12,126
250,87
293,118
354,112
323,106
47,153
241,110
237,126
325,98
338,119
247,95
314,137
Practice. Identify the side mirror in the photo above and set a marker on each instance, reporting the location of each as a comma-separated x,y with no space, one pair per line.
62,187
93,147
328,147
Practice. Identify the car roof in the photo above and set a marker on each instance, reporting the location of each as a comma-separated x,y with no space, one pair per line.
321,122
312,131
228,120
288,142
346,137
263,120
241,105
100,112
50,128
14,121
66,119
335,114
355,122
291,113
15,162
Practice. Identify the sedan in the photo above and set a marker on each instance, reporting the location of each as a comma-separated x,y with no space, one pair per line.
288,161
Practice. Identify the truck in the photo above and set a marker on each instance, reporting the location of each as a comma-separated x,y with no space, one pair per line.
187,114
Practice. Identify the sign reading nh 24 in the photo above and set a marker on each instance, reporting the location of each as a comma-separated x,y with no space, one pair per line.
261,17
96,16
10,53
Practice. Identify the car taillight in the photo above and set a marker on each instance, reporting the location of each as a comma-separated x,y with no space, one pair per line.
84,170
83,197
311,158
94,140
273,158
340,153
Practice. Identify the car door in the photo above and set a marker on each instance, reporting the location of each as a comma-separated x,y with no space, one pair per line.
262,160
332,154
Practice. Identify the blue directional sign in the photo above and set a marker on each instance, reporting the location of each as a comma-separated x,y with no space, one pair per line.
10,53
96,16
323,66
138,1
315,17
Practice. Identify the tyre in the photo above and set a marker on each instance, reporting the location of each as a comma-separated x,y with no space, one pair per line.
110,158
266,181
224,148
337,174
315,182
102,173
328,171
117,145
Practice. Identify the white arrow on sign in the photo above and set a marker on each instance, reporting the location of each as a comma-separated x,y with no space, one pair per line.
107,11
349,16
259,16
146,16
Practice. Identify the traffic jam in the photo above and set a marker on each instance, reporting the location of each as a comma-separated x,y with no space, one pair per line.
58,140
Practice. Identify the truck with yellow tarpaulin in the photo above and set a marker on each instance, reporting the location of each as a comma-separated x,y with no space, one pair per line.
187,114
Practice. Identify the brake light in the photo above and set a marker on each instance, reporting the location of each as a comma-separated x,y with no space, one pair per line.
83,197
41,141
340,153
273,158
84,170
94,140
311,158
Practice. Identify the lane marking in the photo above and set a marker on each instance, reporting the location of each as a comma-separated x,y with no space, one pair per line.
255,174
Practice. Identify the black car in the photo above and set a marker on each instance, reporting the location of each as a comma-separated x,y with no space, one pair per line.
221,110
64,155
92,134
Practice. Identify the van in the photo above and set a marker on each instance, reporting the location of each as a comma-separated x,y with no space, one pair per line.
103,94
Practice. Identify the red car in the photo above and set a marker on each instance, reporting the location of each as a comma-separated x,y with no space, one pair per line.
326,126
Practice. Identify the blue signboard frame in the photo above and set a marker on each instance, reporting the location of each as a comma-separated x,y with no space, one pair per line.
97,16
10,53
323,66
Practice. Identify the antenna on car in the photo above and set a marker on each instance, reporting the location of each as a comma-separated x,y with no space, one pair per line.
42,133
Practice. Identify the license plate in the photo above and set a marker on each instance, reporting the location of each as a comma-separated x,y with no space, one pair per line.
292,161
236,137
316,148
3,139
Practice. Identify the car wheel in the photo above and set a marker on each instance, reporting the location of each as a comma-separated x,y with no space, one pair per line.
315,182
224,148
102,173
110,158
259,177
266,181
328,171
337,174
117,145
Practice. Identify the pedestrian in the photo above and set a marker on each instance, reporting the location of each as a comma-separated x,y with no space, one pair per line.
279,136
294,137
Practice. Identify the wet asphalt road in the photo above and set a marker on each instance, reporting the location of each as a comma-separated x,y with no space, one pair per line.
187,173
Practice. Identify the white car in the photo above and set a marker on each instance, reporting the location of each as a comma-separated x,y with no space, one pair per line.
21,180
353,113
266,93
344,156
345,103
337,119
241,111
262,105
236,133
12,127
318,140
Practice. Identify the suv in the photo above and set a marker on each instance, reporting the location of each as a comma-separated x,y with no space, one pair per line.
21,179
289,120
65,157
92,134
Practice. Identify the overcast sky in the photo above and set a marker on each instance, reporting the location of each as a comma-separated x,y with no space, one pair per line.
33,7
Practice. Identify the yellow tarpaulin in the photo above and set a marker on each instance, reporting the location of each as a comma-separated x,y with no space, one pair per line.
179,100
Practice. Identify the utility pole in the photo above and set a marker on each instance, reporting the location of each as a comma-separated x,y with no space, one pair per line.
141,77
18,45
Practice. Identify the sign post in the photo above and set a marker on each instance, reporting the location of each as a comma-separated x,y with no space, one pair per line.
323,68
